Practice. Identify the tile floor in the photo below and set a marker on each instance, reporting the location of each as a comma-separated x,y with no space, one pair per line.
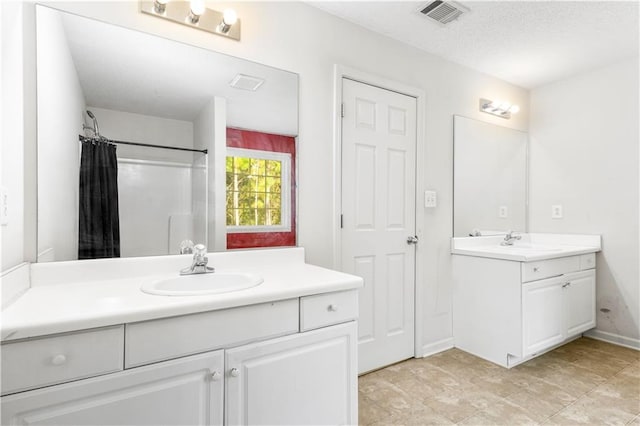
583,382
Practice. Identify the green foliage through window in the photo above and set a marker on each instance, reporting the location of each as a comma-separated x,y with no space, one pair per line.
254,191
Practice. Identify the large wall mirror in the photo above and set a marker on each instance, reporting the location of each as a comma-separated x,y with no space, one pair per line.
490,178
182,99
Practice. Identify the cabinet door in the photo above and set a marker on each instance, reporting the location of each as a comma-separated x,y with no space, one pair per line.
180,392
581,302
543,320
309,378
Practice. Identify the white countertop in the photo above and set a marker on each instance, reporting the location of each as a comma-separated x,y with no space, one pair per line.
70,296
531,247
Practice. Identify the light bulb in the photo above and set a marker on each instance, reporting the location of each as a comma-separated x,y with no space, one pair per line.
197,7
514,109
229,17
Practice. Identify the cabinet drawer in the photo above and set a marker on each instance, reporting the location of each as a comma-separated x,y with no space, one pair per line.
587,261
532,271
327,309
157,340
41,362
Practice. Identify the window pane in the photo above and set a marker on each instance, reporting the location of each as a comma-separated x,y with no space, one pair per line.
242,165
274,201
273,167
253,191
275,216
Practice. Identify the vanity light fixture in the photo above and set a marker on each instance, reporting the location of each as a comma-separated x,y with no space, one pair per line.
195,14
498,108
159,6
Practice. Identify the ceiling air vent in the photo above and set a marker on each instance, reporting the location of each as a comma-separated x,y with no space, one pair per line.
246,82
443,12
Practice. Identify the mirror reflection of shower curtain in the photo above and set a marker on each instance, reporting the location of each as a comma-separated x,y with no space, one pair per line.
99,227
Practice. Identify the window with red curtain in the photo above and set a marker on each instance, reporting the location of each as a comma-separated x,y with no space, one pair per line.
260,189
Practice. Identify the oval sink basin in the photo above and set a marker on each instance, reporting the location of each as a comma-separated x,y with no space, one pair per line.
202,284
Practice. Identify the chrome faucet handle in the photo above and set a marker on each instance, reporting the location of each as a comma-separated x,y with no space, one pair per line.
199,250
200,260
200,255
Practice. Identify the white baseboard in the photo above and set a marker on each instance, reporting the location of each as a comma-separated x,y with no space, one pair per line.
616,339
439,346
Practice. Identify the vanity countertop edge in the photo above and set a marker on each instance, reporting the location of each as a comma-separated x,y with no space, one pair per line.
553,246
60,306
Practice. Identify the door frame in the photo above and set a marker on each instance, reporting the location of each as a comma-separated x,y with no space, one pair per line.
340,72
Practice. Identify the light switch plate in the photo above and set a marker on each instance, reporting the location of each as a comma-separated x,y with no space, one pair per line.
556,211
4,206
430,199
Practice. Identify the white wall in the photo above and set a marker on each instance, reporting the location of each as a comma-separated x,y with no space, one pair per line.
302,39
61,106
210,133
11,150
126,126
584,156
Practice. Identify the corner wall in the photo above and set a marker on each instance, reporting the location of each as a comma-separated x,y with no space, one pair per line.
61,106
11,150
584,156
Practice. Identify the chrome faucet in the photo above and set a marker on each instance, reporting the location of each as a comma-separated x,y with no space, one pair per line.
510,238
199,265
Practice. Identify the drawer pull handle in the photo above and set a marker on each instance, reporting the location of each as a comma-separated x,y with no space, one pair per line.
535,269
215,376
58,359
332,308
567,284
234,372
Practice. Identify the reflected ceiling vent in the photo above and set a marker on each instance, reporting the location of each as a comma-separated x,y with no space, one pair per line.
246,82
443,12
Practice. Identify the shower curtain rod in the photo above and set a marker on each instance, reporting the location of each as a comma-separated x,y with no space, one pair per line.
177,148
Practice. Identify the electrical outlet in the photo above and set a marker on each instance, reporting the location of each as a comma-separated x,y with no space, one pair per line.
4,206
556,211
503,212
430,199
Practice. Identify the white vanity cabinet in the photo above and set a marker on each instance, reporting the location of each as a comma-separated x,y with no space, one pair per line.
177,392
246,365
557,308
304,379
508,311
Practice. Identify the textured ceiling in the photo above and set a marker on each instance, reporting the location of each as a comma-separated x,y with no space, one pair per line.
528,43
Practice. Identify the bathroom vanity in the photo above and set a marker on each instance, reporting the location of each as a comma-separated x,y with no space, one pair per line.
84,345
514,302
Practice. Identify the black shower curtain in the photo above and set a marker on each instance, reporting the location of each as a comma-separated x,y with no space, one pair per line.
99,235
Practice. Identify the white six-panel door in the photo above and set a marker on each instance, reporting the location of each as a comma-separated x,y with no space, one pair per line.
378,215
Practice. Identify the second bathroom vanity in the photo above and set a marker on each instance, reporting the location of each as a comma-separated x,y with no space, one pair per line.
514,302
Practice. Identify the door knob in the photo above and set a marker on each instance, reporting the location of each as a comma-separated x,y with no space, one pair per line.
412,239
215,376
234,372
